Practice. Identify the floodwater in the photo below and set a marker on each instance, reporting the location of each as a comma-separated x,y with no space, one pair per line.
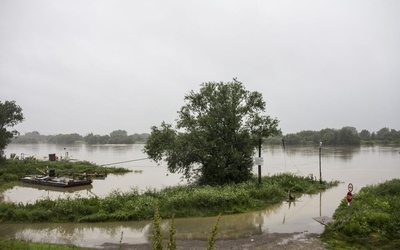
360,166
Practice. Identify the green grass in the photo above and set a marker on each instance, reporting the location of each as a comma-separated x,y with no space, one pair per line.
372,221
183,201
13,244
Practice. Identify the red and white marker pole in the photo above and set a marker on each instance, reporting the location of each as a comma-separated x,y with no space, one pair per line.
349,194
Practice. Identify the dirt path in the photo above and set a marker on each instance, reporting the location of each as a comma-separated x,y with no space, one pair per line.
265,241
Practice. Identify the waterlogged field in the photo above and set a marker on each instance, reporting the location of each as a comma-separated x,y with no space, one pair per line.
360,166
181,201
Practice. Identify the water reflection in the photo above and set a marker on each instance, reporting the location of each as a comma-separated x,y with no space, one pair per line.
344,153
57,189
96,234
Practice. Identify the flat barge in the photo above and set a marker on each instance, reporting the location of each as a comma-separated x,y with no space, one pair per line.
55,181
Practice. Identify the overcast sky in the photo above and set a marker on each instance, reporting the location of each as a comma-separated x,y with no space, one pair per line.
77,66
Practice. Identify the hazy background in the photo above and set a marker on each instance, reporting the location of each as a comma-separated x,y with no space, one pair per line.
79,66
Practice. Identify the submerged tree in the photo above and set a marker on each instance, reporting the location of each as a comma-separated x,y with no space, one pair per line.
215,136
10,115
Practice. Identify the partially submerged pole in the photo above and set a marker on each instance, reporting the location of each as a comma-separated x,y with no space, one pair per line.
320,174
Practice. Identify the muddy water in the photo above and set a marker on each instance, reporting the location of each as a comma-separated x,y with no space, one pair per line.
360,166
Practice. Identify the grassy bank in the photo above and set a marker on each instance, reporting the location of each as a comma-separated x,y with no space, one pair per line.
183,201
372,221
12,170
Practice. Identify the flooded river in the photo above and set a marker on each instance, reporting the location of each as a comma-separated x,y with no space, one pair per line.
361,166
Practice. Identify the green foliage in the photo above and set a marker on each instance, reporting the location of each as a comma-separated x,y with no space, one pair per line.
96,139
36,137
13,244
64,138
30,137
216,133
157,241
371,221
183,201
213,235
346,136
10,115
171,245
115,137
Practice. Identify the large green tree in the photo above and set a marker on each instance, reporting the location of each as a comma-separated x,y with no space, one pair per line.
10,115
216,133
348,136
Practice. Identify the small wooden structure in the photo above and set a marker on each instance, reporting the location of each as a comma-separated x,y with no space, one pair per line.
324,220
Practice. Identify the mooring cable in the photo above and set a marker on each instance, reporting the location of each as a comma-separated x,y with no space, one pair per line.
141,159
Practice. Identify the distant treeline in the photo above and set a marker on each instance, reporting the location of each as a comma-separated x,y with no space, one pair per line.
346,136
115,137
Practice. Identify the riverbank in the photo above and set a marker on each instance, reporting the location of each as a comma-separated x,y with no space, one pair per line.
372,220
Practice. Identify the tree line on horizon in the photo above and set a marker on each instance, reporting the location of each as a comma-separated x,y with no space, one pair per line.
346,136
115,137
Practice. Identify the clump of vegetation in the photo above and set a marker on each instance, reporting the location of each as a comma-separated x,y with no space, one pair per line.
183,201
213,234
158,236
371,221
172,240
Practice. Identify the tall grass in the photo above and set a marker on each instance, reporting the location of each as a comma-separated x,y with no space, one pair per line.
171,245
371,221
157,240
213,234
183,201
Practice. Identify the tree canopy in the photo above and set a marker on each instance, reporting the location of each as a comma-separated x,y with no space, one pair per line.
215,136
10,115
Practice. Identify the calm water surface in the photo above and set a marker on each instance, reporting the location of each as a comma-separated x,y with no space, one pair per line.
360,166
